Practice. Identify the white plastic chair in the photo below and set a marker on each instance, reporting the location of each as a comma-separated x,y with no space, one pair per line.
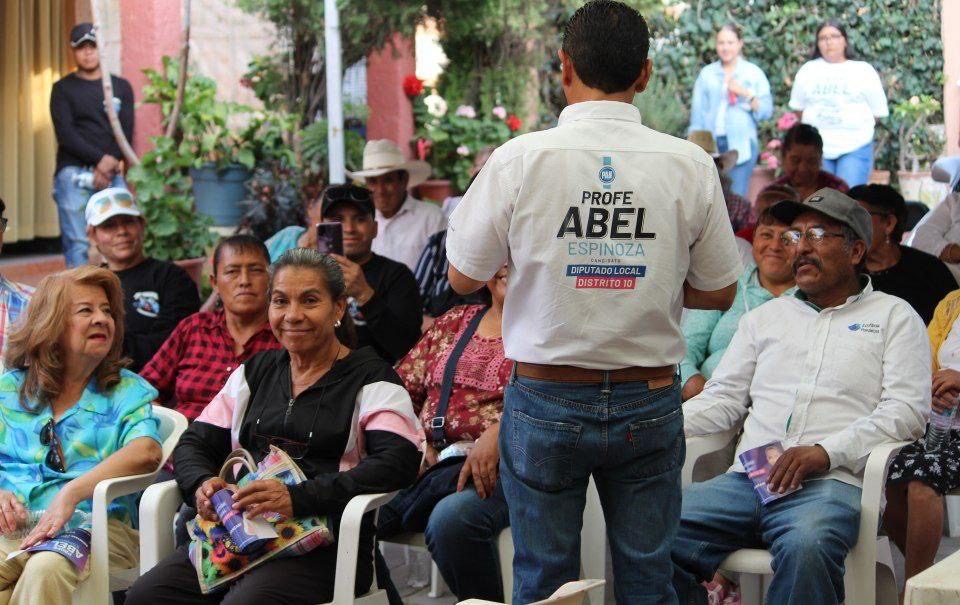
867,579
571,593
97,587
160,503
593,548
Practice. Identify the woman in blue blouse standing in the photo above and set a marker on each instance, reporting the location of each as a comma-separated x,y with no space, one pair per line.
730,97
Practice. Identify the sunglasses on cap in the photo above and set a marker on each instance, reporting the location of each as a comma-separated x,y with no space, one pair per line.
106,203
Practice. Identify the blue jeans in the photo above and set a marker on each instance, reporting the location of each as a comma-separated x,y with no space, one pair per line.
71,201
809,534
461,534
741,173
462,538
853,167
553,436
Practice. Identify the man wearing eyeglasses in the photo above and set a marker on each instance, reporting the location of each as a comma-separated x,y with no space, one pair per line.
14,297
88,156
157,294
831,373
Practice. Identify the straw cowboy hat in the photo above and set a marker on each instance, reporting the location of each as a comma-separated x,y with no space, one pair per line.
704,140
383,156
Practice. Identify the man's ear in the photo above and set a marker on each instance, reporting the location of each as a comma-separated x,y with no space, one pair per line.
566,68
644,78
858,252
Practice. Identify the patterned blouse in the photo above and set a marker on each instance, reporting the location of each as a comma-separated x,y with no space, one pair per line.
476,401
95,427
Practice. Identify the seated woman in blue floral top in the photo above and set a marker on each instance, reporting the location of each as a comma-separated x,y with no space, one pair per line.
70,417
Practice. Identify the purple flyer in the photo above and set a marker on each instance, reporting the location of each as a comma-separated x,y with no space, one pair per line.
73,544
758,462
232,520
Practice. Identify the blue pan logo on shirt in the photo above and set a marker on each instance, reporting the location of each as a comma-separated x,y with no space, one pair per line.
853,327
872,328
607,174
147,303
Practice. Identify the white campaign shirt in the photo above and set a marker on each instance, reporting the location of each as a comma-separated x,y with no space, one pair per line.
848,378
601,220
938,229
842,100
403,236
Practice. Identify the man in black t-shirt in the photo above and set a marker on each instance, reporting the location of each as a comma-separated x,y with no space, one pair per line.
88,156
156,294
384,299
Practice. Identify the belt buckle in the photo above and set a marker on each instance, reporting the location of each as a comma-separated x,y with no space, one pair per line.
438,423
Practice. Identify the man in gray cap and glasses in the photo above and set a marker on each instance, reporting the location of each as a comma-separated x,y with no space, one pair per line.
828,374
88,156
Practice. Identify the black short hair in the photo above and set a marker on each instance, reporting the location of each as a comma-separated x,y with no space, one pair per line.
243,242
767,218
802,134
885,199
3,207
607,42
848,52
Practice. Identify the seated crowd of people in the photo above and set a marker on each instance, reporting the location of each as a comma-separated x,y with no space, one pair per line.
823,349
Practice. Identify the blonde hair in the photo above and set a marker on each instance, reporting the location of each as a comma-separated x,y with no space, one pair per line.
34,346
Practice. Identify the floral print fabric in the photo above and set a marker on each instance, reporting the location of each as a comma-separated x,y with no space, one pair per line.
482,372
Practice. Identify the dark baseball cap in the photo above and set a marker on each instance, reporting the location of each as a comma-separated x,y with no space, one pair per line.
359,197
82,32
831,203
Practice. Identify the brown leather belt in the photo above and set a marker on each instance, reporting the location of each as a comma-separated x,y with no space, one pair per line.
655,377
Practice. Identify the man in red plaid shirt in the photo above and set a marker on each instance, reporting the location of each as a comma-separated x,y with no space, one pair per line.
194,363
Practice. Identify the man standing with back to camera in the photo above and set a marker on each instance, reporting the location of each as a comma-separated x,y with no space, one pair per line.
609,228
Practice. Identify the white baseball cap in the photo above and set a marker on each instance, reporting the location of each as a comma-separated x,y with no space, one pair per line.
110,202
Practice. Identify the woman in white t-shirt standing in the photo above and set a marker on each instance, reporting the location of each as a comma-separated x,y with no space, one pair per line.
842,98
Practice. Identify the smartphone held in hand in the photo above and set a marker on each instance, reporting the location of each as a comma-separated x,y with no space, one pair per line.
330,238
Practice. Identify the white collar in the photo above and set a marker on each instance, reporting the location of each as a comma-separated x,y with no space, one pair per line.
599,110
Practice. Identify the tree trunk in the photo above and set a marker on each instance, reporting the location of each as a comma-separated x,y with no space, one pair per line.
128,153
183,73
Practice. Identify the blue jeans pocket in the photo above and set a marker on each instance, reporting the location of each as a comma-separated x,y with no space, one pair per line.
658,443
543,451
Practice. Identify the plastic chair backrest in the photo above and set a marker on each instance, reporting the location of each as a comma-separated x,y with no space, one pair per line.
172,425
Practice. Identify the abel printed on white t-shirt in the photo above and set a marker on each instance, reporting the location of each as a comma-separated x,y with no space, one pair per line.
842,100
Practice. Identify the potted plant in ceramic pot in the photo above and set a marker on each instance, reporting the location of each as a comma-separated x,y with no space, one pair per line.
222,157
920,145
450,140
175,231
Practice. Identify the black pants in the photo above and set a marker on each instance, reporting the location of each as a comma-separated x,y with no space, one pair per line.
305,579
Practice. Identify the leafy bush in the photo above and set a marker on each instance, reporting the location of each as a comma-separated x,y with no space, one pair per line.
900,38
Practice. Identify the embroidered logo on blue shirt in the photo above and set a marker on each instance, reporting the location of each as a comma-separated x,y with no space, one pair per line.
607,174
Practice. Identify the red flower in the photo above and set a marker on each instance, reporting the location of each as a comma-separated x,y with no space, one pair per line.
423,148
513,123
412,86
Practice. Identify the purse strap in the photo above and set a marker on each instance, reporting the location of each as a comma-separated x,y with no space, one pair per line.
237,456
437,424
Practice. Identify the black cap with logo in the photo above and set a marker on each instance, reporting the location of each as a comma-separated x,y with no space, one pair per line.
82,32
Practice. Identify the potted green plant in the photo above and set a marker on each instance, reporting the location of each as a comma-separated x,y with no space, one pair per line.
450,140
221,158
175,231
920,146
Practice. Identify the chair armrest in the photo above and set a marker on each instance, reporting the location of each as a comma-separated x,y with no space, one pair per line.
348,541
700,446
861,561
158,506
96,588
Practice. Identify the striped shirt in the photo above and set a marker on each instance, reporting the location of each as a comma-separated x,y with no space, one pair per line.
13,302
